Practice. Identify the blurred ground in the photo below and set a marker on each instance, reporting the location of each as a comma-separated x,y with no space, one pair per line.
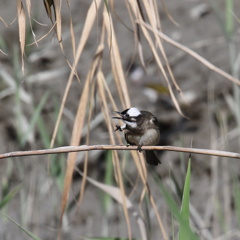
37,206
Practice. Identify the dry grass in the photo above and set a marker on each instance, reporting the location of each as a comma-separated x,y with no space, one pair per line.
145,22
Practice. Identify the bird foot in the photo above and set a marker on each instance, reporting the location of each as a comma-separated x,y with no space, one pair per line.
118,128
139,148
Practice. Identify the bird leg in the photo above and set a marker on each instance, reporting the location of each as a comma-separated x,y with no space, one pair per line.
118,128
139,148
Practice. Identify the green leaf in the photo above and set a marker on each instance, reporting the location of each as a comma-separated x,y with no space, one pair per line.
35,118
108,180
236,194
229,24
185,213
31,235
6,199
173,207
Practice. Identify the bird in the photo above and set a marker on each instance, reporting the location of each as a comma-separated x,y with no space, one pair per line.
140,129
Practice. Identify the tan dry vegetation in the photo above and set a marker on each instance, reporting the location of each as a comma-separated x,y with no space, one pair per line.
92,80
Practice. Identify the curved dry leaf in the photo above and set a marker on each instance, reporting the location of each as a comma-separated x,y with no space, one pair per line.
77,132
6,25
117,168
73,39
193,54
116,194
29,6
116,61
41,38
59,22
90,18
48,4
155,23
75,140
22,29
153,48
167,13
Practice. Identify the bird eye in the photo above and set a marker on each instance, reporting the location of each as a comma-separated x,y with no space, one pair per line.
155,121
127,115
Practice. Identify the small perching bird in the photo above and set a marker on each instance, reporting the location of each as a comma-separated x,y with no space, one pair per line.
140,129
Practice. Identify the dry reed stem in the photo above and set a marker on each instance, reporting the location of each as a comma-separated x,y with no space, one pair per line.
77,128
22,29
190,52
116,61
117,168
90,18
68,149
154,50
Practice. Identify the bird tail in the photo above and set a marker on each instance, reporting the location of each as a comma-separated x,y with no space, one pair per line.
151,158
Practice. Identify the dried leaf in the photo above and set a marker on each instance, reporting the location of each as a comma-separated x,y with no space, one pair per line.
48,4
22,29
91,15
116,61
116,194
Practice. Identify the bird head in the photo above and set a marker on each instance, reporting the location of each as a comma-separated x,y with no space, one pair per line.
129,116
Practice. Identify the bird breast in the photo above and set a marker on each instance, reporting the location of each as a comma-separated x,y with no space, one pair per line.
149,138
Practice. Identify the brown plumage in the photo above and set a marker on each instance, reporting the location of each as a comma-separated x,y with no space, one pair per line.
140,129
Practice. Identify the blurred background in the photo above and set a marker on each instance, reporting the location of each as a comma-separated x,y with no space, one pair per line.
31,187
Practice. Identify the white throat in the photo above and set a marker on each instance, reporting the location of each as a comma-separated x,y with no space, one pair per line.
132,124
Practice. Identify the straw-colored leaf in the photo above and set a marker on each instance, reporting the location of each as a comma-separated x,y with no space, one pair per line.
95,65
90,18
167,12
22,29
29,9
193,54
76,134
29,6
73,39
41,38
48,4
116,61
117,168
116,194
1,19
59,23
77,131
154,50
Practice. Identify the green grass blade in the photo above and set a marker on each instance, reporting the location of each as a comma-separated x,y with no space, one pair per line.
35,117
108,180
229,22
236,198
185,212
44,134
31,235
173,207
7,198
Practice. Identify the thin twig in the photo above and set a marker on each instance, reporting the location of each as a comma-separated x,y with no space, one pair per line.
81,148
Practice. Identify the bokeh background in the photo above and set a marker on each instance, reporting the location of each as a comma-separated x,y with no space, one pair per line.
30,104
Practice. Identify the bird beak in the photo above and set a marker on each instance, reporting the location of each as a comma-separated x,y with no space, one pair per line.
121,116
